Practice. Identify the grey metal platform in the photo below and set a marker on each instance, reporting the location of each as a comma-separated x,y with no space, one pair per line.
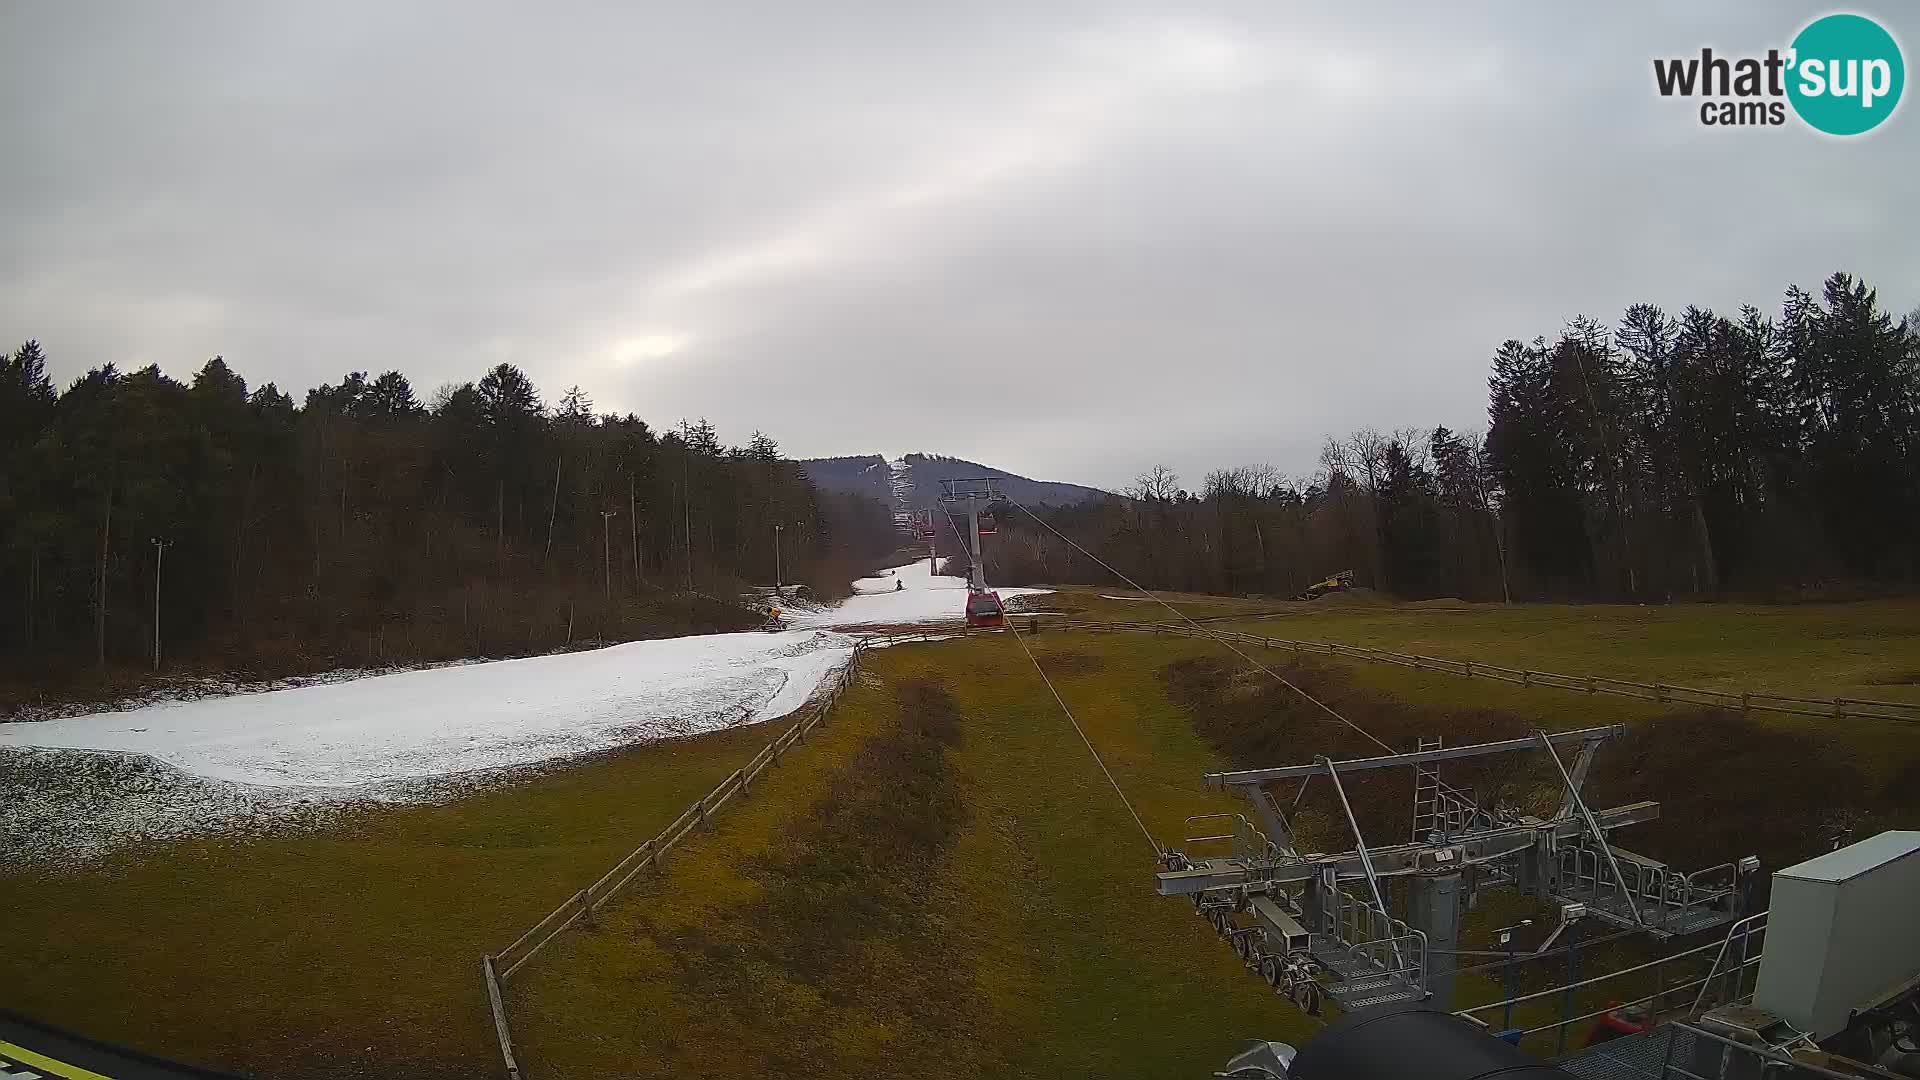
1358,983
1633,1057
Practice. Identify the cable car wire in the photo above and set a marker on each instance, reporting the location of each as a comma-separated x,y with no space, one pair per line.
1283,680
1078,730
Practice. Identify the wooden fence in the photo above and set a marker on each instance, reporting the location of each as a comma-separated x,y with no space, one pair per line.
1746,701
497,968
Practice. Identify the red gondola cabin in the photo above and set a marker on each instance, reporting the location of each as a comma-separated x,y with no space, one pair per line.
983,609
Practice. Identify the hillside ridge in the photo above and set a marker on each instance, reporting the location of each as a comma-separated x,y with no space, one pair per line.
871,474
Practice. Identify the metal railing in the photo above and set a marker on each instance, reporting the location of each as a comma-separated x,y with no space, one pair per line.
1246,840
1662,894
1735,956
1744,938
1374,938
1686,1051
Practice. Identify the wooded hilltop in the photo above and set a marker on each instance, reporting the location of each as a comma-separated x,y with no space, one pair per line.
1692,456
363,526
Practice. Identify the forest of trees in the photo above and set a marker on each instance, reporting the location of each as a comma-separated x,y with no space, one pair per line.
364,526
1698,455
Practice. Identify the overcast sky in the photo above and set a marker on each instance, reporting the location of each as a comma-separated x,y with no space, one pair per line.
1069,240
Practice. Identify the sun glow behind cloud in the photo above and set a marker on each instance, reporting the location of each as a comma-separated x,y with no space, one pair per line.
646,346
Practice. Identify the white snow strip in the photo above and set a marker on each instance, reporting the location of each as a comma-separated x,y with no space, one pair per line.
1110,596
83,785
906,594
440,722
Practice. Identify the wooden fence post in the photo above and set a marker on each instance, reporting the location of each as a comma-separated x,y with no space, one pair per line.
700,807
1589,684
1746,702
1526,678
1469,669
499,1017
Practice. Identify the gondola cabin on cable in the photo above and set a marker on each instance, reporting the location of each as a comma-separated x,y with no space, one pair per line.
983,608
986,523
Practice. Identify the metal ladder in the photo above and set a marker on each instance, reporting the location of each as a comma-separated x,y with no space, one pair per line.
1427,815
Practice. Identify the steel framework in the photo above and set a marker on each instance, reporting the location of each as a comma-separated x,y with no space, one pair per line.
972,493
1319,924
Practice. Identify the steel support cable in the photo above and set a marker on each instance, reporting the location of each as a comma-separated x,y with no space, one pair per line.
1077,729
1525,957
1124,801
1282,679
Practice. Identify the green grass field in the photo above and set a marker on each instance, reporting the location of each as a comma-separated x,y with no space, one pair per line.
1018,935
348,952
1055,956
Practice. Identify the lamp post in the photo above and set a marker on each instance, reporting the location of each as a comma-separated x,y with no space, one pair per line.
606,540
1506,942
1570,914
778,528
159,552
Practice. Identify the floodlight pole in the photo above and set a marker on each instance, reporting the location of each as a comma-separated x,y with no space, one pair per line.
606,541
778,528
1506,942
159,553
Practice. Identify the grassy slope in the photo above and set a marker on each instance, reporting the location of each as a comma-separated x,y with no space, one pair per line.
1854,650
1864,650
351,952
1869,650
1044,902
346,951
1848,650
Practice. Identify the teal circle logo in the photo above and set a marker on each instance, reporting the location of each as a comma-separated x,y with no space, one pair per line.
1846,74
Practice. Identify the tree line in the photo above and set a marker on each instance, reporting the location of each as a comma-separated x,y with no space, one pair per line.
143,516
1669,456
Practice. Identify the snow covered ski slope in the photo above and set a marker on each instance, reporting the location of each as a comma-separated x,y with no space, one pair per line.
925,597
440,721
247,761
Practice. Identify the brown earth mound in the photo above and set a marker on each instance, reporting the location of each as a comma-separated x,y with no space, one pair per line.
1728,786
1356,597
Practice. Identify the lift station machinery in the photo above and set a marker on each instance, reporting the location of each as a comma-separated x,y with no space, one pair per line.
1836,996
1317,925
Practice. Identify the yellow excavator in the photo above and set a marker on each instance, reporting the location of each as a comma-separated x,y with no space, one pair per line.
1339,582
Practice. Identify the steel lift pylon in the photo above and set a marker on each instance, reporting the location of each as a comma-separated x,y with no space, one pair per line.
1318,924
974,495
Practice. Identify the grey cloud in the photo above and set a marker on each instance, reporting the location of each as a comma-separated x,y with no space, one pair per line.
1072,240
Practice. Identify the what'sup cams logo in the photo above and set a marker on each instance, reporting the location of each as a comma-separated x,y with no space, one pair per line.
1842,75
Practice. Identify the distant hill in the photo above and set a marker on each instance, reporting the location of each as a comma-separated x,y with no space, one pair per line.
866,475
870,475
